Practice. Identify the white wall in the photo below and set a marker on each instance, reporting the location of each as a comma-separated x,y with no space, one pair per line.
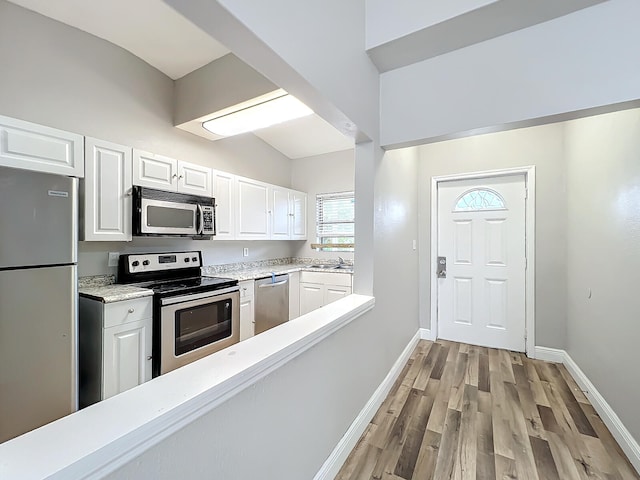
540,146
576,62
603,155
331,172
64,78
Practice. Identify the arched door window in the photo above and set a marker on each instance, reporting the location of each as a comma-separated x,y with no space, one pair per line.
479,199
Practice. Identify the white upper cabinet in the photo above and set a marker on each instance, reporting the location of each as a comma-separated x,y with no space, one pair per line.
280,213
194,179
252,211
30,146
298,215
106,203
164,173
224,188
288,214
155,171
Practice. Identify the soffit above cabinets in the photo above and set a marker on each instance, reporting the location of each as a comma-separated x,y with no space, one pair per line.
149,29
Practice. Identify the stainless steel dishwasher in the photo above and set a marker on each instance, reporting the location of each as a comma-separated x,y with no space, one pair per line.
272,302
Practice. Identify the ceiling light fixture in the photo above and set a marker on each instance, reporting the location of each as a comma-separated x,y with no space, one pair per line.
271,112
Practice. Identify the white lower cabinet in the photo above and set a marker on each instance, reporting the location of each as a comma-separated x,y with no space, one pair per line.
335,292
318,289
115,345
127,357
247,312
311,297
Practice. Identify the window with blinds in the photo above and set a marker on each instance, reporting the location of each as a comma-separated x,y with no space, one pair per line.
335,221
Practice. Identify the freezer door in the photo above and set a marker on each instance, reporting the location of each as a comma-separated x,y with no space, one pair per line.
38,214
38,311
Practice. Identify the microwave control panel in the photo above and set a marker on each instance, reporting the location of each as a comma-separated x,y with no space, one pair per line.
207,220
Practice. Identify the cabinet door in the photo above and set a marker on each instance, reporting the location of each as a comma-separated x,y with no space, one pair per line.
247,314
335,292
127,356
224,194
247,318
30,146
252,211
294,295
155,171
311,297
107,192
194,179
298,212
279,208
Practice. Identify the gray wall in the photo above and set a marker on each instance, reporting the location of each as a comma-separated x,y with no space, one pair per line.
331,172
603,155
540,146
61,77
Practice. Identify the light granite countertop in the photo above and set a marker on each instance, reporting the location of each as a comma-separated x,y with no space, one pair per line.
266,271
114,293
103,288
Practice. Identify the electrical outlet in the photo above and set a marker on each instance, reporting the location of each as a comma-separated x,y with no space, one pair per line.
113,259
245,252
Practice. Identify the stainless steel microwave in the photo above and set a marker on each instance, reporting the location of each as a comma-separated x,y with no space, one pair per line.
160,213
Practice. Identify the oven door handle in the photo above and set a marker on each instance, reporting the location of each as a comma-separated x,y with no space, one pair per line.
199,220
197,296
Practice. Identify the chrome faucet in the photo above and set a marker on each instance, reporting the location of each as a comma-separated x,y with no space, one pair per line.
340,261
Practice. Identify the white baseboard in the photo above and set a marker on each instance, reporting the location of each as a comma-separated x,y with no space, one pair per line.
628,444
549,354
334,462
425,334
624,438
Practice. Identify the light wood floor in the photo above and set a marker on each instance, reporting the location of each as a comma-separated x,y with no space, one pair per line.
464,412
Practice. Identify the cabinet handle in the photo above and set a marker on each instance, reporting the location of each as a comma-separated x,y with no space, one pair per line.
149,357
175,175
181,176
131,310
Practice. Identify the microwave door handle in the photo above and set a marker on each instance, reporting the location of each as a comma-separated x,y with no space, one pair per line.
200,220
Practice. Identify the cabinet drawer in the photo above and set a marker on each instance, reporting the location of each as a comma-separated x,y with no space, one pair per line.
326,278
126,311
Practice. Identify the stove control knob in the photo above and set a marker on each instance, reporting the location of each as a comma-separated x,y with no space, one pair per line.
194,259
186,259
146,262
135,263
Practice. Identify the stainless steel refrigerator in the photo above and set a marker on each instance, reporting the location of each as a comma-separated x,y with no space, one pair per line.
38,299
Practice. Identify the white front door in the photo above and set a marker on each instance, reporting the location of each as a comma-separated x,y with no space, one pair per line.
481,233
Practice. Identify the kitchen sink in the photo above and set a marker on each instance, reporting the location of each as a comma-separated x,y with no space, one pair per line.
332,267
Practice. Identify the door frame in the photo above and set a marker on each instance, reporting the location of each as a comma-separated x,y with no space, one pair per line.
529,173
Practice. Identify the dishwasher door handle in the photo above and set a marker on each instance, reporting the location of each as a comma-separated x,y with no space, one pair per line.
265,285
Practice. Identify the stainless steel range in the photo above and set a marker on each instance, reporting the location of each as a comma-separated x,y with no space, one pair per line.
193,316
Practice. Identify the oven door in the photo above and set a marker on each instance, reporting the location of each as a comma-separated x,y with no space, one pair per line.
168,218
196,325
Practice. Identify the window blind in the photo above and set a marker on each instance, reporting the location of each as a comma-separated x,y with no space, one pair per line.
335,220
